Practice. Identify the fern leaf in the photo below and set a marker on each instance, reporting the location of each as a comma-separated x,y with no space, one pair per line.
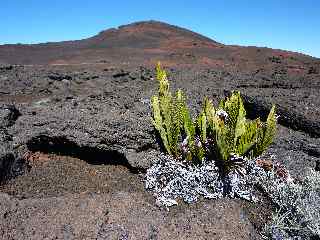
163,80
267,132
158,122
157,119
222,145
202,126
236,115
248,140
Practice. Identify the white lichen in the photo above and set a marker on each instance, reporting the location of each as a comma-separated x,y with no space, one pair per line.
297,215
170,180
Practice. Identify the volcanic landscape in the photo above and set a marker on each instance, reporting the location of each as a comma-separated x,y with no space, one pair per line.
76,135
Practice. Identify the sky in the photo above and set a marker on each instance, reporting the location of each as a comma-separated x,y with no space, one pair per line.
282,24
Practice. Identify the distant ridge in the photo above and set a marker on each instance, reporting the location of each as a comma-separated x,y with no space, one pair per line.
146,42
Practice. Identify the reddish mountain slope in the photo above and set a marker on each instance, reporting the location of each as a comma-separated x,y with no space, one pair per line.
151,41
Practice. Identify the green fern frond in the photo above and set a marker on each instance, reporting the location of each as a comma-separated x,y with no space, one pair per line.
189,128
266,132
210,113
180,107
163,80
223,149
236,115
248,140
158,122
202,126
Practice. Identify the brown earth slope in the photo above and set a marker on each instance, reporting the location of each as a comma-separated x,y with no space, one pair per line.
151,41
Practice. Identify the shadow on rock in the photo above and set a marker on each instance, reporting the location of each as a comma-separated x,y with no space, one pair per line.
62,146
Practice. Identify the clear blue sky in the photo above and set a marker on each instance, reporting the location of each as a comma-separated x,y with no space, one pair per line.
285,24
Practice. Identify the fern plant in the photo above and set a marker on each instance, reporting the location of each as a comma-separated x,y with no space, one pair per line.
222,134
235,136
165,117
172,119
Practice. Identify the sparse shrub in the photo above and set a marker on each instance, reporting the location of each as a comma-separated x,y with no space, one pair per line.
298,212
222,134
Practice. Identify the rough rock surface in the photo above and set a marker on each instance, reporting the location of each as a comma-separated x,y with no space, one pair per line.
102,116
122,215
74,138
